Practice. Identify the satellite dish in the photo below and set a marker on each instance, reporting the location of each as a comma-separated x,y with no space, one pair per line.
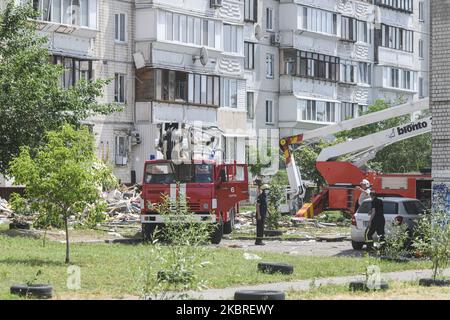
204,57
258,32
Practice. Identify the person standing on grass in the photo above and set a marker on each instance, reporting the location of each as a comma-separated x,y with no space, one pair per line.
377,221
261,213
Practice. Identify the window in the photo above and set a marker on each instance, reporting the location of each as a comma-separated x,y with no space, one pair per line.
269,19
310,65
187,29
348,29
229,92
421,49
364,32
395,78
269,111
74,70
177,86
251,10
120,27
249,52
414,207
347,72
121,151
318,111
397,38
401,5
421,88
364,73
250,105
402,79
119,88
269,65
232,38
317,20
348,110
421,11
72,12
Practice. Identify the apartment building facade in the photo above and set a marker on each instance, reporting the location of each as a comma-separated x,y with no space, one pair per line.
332,58
240,66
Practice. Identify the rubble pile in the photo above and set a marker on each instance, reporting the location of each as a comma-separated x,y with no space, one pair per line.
5,209
123,205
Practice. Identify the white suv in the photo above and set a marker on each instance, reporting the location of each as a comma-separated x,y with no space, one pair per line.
396,210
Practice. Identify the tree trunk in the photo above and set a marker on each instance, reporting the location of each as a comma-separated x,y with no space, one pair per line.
67,240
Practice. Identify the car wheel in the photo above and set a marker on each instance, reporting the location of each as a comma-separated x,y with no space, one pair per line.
357,245
259,295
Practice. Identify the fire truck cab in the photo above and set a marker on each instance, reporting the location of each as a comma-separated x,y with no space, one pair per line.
212,192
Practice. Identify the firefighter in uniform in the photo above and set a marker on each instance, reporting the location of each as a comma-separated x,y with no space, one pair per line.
261,214
377,221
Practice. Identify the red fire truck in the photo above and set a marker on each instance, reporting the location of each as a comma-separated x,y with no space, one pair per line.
212,191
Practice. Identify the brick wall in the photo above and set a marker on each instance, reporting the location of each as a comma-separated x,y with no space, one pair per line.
440,88
440,101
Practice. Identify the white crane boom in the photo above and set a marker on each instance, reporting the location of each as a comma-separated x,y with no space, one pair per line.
376,140
287,144
397,111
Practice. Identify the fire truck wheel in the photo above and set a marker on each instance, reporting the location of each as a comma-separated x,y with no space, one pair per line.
229,225
217,233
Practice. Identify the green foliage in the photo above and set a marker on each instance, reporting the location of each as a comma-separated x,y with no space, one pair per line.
395,244
32,100
19,206
64,178
306,158
274,199
257,162
432,239
175,266
409,155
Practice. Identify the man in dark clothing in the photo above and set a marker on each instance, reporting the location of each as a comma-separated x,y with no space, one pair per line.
261,214
377,221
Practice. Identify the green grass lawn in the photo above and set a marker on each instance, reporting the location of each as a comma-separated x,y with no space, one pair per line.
110,270
397,290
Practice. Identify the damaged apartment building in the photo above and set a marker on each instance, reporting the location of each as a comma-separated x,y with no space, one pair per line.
172,63
236,66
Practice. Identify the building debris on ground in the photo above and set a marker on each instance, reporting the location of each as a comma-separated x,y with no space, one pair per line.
124,205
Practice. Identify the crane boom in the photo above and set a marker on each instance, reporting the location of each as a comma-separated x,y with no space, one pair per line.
376,140
288,144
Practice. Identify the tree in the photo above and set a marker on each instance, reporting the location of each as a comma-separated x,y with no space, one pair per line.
32,100
408,155
306,158
64,178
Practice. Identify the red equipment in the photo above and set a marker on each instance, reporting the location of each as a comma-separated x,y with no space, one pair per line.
212,190
343,177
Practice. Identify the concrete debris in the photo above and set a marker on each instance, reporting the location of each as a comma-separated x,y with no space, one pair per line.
123,205
5,208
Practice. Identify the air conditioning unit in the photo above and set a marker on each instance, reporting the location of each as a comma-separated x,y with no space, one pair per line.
215,3
275,39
